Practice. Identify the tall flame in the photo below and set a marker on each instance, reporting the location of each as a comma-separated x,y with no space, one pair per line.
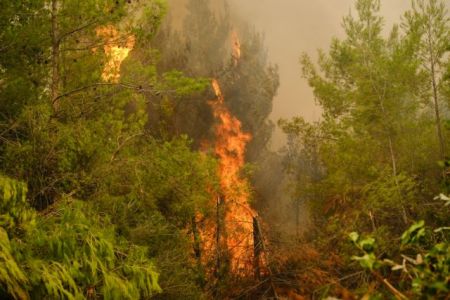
230,148
234,233
116,50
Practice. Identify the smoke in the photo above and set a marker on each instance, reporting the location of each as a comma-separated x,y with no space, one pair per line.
290,27
295,26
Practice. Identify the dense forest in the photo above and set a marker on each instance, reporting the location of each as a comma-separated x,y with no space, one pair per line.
135,157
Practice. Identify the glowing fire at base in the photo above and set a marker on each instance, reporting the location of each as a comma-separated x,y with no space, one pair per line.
116,51
230,148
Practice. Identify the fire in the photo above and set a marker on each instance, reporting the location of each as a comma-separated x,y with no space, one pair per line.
230,148
236,47
232,230
116,50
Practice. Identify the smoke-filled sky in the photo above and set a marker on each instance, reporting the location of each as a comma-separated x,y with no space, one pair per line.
292,27
295,26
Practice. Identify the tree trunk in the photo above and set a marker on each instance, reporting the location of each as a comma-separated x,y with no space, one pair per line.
393,159
297,219
394,167
262,249
196,235
55,57
436,110
218,271
257,248
435,91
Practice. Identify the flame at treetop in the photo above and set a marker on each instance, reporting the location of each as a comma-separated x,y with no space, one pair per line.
116,49
236,47
230,146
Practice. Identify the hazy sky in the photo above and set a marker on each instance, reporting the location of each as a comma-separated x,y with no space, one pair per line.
292,27
295,26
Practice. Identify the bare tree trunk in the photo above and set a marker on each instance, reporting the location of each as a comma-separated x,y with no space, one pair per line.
264,250
436,103
393,159
196,235
433,61
394,167
397,184
257,248
391,146
55,57
218,232
218,272
297,220
438,119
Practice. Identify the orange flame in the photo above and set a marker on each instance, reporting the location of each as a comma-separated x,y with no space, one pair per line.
236,47
230,148
116,51
235,236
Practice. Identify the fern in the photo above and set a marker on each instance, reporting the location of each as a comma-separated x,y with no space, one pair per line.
71,253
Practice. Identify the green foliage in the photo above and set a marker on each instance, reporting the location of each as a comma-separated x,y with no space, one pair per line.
427,273
432,278
414,233
12,277
112,196
70,252
371,163
15,218
367,245
83,248
13,212
183,86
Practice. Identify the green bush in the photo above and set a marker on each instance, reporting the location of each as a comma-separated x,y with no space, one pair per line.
67,252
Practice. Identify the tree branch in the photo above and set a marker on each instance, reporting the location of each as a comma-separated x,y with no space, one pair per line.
124,85
64,35
397,294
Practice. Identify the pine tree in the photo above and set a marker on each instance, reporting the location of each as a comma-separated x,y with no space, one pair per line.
429,24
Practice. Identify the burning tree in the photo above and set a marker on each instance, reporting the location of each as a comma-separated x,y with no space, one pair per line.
234,236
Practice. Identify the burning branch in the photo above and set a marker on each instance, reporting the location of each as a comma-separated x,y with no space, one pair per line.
236,230
116,51
236,47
